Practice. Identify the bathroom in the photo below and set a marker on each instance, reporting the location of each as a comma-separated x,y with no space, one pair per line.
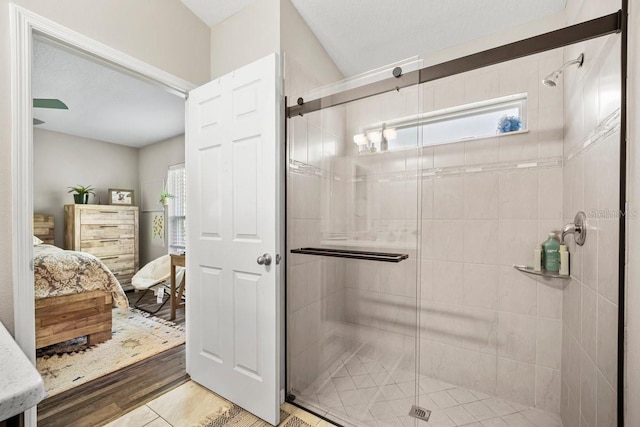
449,325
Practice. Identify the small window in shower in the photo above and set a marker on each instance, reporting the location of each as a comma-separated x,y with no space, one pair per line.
482,119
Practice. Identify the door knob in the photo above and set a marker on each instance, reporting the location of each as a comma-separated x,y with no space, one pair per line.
264,259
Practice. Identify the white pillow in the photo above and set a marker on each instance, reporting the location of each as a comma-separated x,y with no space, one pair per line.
36,241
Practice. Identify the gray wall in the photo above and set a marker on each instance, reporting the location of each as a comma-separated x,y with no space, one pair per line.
153,162
247,36
61,161
102,165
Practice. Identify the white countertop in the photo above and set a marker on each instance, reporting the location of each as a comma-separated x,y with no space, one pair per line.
21,386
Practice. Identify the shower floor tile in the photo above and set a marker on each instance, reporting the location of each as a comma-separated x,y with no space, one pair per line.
357,391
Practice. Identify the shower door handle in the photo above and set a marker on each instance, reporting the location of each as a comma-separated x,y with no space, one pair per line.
264,259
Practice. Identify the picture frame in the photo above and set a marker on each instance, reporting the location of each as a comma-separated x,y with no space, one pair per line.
119,196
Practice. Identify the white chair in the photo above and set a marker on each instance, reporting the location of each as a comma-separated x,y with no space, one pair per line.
154,275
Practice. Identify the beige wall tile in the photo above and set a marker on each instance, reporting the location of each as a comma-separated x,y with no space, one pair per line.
608,259
550,193
549,300
516,381
548,343
607,340
481,241
517,240
572,308
606,403
480,286
517,337
516,291
588,391
481,196
448,198
519,195
548,389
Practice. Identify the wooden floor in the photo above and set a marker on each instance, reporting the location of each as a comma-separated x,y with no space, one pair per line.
107,398
149,302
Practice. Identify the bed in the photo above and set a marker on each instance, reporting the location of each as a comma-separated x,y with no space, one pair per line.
74,291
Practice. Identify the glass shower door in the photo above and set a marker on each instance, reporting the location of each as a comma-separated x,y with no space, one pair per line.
353,258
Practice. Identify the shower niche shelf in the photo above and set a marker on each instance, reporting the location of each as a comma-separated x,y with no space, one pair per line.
342,253
544,273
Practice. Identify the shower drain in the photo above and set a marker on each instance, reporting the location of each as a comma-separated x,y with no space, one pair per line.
419,413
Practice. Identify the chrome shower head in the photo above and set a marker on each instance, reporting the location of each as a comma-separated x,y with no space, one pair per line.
552,79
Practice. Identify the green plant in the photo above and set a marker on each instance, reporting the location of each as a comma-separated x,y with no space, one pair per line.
81,190
164,196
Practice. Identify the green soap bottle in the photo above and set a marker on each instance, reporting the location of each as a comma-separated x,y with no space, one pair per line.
551,250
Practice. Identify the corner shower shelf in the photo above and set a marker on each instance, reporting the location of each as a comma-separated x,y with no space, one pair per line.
341,253
544,273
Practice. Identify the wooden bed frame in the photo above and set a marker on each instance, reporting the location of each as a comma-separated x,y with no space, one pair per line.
43,228
65,317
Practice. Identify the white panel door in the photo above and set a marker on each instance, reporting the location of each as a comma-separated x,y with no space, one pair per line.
233,301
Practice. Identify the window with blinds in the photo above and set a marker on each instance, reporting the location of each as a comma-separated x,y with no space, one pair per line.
177,186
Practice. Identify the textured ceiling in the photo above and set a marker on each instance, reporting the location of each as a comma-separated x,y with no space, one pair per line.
213,12
361,35
104,104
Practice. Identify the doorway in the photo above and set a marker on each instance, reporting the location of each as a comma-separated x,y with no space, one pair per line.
27,26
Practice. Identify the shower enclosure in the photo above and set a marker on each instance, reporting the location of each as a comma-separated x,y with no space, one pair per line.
353,313
406,214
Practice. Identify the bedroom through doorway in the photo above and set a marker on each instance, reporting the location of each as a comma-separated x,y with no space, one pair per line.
108,227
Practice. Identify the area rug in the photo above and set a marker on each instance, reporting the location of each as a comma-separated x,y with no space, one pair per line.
136,336
238,417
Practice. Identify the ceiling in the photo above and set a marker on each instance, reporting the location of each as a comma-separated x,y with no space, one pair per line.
104,104
213,12
361,35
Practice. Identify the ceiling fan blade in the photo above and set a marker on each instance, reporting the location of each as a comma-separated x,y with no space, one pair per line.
49,103
37,122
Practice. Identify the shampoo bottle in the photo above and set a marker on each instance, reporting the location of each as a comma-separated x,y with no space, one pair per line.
537,258
564,260
551,249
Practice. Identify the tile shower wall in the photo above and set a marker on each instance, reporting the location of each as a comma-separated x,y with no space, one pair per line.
483,324
315,285
485,205
382,214
591,182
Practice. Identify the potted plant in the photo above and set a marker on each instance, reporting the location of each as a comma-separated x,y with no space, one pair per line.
81,194
165,196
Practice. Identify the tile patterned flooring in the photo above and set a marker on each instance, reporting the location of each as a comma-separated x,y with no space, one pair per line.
360,391
192,405
357,391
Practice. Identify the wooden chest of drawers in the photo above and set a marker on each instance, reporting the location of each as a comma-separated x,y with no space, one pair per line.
108,232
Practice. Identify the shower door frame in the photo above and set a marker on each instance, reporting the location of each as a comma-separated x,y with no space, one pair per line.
615,23
598,27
